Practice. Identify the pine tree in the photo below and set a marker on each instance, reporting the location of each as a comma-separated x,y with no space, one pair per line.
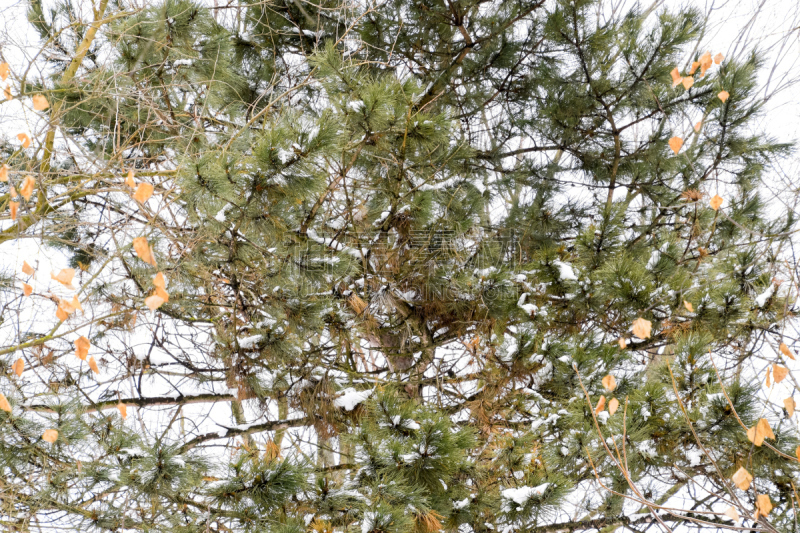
456,266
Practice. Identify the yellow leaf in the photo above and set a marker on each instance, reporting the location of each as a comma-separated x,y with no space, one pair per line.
786,351
675,143
13,207
143,250
27,289
40,102
692,70
4,173
27,269
688,81
129,180
763,504
779,373
4,70
82,346
732,514
688,306
123,410
716,202
742,478
600,405
718,58
18,367
698,126
93,365
64,277
789,404
4,405
50,435
622,343
143,192
609,382
676,77
642,328
613,405
24,139
154,302
27,187
723,95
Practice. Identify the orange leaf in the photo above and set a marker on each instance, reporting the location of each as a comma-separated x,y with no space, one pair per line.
93,365
622,343
797,452
143,192
705,63
789,404
675,143
24,139
763,504
26,289
159,281
779,373
129,180
695,64
4,405
742,478
600,405
64,277
698,126
7,92
4,173
786,351
143,250
759,432
609,382
767,381
13,208
50,435
76,304
61,314
613,405
82,346
123,409
676,77
723,95
27,187
642,328
27,269
688,306
718,58
716,202
688,81
732,514
154,302
40,102
4,70
18,367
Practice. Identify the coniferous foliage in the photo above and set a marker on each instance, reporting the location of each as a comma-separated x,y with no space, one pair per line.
392,267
